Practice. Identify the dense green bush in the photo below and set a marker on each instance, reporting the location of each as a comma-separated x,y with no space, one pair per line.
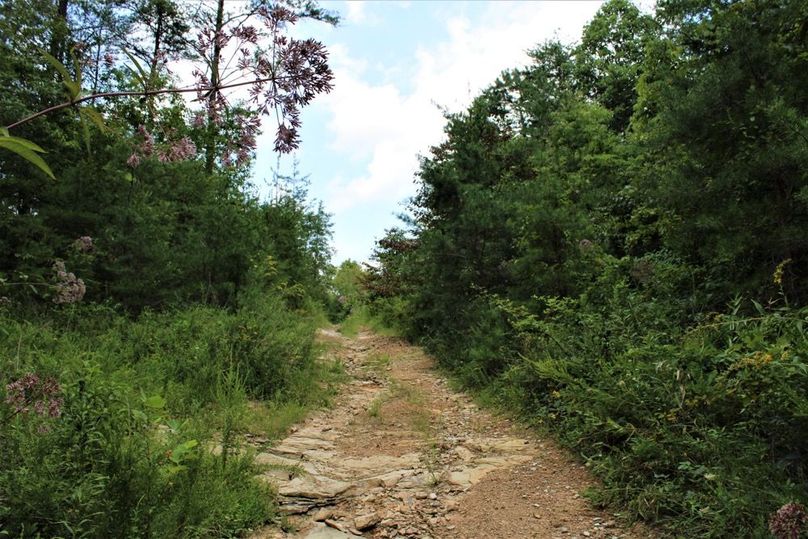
582,235
703,431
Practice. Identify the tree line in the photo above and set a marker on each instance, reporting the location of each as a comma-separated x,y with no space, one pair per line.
156,303
159,185
611,241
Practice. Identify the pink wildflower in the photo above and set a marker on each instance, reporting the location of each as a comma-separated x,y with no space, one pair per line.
788,521
69,288
84,244
31,392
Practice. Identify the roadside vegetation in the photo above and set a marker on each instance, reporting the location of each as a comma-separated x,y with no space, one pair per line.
610,243
154,309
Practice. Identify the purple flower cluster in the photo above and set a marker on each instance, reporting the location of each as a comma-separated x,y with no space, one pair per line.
177,150
34,394
69,288
180,150
789,521
239,151
84,244
286,75
585,245
134,160
147,146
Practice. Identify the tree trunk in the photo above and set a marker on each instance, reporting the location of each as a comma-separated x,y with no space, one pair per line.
59,33
158,35
210,150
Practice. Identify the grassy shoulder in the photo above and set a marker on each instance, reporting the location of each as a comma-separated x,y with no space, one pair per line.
106,423
361,317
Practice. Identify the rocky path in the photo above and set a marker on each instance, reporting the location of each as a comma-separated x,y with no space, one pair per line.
402,455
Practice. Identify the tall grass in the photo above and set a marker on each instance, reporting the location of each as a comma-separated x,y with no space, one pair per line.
140,405
362,317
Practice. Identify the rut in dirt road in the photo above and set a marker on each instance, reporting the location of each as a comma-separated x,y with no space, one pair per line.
402,455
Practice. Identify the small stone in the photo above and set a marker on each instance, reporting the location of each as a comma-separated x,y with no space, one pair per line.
323,514
587,534
334,524
364,522
433,496
564,529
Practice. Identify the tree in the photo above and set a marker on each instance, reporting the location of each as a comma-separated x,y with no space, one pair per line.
161,223
610,58
722,114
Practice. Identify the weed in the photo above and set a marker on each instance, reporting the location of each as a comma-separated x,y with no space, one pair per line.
360,318
375,406
378,363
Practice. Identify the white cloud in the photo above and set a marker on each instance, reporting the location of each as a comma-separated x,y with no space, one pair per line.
356,11
388,128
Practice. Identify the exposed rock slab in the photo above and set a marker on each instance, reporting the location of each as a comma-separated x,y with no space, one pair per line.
321,531
401,455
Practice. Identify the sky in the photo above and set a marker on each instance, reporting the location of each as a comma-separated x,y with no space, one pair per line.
396,65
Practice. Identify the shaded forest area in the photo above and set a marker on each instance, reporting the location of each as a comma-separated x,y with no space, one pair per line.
153,307
612,242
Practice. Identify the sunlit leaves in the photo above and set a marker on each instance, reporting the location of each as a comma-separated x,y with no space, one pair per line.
73,85
26,149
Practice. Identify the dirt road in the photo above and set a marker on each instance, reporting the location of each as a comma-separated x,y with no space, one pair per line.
402,455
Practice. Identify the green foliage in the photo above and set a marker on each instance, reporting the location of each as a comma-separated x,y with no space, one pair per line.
163,228
367,317
130,453
580,241
152,308
25,149
347,291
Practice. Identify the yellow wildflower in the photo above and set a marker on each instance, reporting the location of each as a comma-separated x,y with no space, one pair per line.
778,272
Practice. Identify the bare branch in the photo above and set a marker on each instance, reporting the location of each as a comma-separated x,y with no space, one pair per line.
139,93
